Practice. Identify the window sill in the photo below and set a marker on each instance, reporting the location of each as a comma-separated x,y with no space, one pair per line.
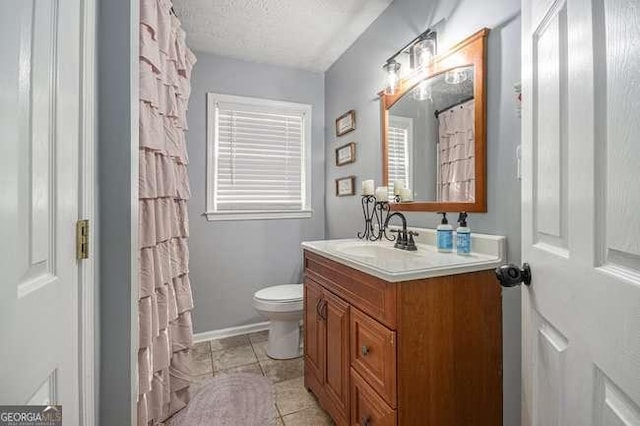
257,215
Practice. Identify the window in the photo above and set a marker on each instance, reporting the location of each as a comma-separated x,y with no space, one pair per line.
400,141
259,158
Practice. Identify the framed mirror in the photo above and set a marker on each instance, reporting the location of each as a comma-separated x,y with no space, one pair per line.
434,133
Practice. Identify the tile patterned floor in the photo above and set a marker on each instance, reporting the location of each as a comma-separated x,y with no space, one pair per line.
247,354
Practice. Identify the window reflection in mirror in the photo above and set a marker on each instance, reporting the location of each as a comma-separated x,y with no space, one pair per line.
431,138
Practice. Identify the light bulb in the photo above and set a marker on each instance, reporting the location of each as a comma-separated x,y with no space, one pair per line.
392,82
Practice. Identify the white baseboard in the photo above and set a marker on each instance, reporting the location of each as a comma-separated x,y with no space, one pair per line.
230,332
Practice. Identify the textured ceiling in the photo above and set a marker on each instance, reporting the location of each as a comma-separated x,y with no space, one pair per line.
307,34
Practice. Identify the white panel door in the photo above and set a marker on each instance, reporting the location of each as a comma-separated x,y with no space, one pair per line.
39,132
581,212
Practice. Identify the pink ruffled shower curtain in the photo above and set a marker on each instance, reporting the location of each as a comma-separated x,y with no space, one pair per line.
165,300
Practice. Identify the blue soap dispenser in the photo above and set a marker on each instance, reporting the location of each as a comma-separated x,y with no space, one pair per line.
463,236
444,235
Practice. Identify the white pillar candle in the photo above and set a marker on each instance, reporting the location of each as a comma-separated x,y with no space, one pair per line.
398,185
406,194
368,186
382,193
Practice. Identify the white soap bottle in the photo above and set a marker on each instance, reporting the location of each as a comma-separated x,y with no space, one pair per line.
444,235
463,236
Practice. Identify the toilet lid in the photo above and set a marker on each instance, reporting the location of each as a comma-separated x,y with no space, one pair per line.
280,293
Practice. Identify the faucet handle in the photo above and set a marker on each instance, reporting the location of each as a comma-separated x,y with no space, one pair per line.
413,233
411,245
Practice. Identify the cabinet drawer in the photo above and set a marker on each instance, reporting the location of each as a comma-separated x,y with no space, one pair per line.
372,295
367,408
373,354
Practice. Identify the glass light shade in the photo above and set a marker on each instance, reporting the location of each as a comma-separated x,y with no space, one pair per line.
422,91
455,76
422,53
393,78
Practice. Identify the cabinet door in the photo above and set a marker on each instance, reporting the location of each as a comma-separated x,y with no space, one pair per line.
314,331
335,312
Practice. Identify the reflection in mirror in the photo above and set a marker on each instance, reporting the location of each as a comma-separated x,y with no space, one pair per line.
431,149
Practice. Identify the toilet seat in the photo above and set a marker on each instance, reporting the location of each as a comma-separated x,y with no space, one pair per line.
280,298
280,293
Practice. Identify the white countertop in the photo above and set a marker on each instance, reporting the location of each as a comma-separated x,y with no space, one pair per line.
382,260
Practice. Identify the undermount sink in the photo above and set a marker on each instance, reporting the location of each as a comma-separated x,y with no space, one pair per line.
371,251
382,259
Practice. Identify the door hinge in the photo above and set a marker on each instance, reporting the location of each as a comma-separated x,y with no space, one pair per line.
82,239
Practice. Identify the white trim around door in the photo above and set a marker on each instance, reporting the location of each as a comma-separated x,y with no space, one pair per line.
87,269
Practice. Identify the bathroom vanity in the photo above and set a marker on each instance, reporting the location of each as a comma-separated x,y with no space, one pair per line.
404,338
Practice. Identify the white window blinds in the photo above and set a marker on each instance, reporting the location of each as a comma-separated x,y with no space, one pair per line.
399,141
259,155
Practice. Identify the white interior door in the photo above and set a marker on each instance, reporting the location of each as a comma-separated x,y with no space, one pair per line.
39,130
581,212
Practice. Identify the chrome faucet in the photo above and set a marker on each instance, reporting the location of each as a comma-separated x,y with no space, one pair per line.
404,241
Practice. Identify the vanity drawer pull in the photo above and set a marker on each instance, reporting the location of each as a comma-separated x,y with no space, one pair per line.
323,309
365,350
364,421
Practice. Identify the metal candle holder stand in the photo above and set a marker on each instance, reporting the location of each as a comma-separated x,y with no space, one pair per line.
375,213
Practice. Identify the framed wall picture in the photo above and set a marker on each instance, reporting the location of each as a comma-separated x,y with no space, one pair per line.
346,123
346,154
346,186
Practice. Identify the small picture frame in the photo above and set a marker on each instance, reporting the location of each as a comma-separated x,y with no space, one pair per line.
346,123
346,186
346,154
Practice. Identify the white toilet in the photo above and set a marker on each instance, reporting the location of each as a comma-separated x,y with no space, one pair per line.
283,306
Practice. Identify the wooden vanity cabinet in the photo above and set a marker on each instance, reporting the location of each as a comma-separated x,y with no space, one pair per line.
414,353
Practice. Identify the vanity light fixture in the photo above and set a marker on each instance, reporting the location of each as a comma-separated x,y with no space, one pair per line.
393,76
421,51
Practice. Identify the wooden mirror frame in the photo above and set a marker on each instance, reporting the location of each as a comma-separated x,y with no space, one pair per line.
471,51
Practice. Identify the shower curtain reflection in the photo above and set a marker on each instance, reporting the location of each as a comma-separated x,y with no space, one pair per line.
456,153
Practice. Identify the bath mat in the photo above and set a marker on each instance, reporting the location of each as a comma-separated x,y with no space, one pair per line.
230,400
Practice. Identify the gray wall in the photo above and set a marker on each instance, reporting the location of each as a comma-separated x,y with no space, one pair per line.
355,79
230,260
117,135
